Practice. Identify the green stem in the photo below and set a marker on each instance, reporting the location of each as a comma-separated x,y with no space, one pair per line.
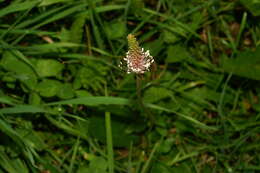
140,100
139,88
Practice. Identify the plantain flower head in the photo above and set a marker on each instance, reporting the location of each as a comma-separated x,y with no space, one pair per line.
137,60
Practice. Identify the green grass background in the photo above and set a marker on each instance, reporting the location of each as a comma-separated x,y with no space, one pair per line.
65,106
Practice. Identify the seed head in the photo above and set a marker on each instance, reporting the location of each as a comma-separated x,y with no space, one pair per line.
137,60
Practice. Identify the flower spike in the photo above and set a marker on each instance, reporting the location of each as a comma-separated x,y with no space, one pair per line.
137,60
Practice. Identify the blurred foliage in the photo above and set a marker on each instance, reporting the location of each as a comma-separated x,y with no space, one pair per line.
59,77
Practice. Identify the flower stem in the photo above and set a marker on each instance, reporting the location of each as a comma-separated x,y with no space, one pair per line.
140,100
139,88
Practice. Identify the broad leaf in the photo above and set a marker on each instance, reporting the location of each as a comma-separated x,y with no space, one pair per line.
18,69
115,30
253,6
49,87
176,53
49,67
246,64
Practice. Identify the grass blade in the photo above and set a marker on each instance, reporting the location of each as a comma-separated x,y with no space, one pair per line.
199,124
94,101
110,152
